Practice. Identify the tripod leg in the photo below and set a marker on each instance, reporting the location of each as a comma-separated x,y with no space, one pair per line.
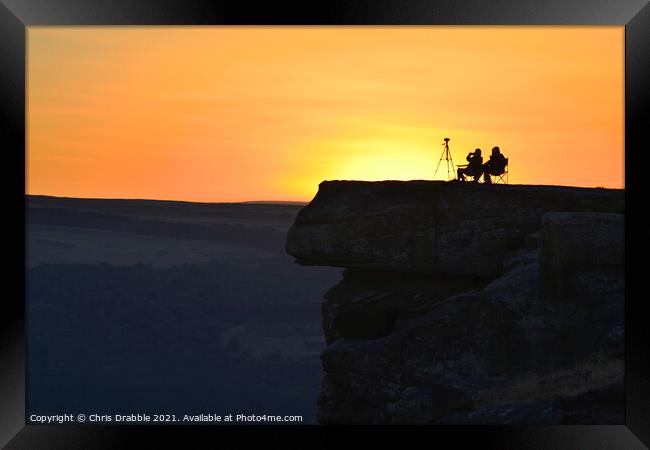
447,159
438,166
453,169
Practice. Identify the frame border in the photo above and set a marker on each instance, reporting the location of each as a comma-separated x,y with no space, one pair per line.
17,15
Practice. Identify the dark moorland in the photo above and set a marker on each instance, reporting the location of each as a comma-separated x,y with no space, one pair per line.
170,307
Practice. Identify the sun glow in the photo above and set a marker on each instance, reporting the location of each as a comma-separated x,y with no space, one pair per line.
251,113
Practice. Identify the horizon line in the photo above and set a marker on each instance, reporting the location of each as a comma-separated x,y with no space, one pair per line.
270,202
136,199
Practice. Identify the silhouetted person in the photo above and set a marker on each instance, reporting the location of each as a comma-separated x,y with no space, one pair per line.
495,166
474,168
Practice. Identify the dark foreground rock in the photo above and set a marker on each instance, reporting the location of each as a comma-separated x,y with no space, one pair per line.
511,313
582,256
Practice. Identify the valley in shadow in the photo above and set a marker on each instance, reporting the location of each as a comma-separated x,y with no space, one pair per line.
170,307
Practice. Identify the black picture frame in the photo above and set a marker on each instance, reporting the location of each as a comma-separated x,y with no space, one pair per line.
17,15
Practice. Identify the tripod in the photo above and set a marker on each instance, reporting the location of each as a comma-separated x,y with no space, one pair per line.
446,155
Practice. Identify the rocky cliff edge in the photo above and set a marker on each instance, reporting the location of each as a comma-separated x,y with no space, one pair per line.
465,303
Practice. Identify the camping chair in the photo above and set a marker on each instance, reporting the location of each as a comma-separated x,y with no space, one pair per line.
503,177
500,173
475,178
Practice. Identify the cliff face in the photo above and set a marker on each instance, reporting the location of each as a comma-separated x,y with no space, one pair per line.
468,303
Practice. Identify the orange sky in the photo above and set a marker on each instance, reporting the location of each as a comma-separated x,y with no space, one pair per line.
266,113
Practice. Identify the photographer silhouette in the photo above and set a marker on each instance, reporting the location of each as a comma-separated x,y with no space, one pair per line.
474,168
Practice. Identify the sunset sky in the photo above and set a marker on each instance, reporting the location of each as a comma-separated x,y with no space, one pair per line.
267,113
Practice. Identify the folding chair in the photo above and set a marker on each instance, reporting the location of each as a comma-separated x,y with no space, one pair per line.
503,178
475,178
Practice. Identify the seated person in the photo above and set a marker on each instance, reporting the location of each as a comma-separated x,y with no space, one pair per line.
474,168
496,165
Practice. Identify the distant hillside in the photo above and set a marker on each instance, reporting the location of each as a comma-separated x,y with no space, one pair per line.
256,225
149,306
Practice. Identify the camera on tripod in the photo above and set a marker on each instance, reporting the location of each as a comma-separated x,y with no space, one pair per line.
446,155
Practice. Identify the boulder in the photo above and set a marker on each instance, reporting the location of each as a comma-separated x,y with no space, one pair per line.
428,226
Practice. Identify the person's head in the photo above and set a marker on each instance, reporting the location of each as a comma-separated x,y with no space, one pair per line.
496,151
477,152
